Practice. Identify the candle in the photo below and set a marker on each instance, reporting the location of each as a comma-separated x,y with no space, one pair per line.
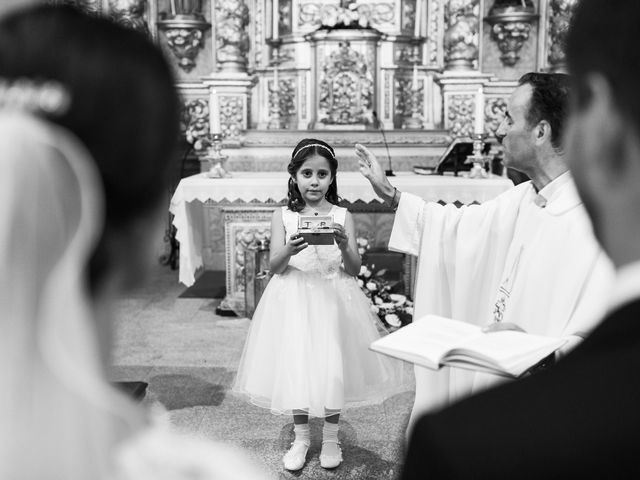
418,19
479,117
214,113
172,6
276,20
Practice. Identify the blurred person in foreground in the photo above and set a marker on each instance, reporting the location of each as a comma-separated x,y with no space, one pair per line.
88,127
580,418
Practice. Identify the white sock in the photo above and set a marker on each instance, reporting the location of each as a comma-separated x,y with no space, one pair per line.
302,433
330,432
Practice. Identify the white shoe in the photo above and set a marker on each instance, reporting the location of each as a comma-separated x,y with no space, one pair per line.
330,455
295,458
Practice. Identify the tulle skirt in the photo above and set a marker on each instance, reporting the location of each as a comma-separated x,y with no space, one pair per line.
308,348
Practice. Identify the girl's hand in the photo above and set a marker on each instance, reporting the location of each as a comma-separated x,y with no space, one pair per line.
296,244
340,236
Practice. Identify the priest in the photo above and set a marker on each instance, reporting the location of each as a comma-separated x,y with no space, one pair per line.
528,256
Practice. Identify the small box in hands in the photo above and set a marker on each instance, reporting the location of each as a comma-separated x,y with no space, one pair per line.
316,230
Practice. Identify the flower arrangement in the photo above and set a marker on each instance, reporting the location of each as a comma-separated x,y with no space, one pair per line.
394,309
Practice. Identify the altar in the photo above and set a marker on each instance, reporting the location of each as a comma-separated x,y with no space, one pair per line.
238,210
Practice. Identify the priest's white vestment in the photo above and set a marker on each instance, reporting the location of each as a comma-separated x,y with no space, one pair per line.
513,259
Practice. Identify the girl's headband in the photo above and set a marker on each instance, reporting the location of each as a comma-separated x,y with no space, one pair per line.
314,145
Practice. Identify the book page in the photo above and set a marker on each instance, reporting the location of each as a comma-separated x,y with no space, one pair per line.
508,351
426,341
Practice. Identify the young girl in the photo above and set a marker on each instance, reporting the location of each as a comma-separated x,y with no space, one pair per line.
307,349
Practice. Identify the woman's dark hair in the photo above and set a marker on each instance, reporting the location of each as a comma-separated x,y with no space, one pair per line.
124,106
601,41
549,101
305,149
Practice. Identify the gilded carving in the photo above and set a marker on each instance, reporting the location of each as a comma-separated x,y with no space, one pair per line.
405,97
434,35
231,116
511,22
314,14
460,115
194,124
232,40
510,36
560,13
185,43
346,87
130,13
287,99
259,30
461,35
494,111
243,228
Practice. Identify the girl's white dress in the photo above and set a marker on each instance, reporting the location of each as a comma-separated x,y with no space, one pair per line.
307,348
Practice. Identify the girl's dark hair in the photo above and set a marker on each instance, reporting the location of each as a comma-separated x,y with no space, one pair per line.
307,148
124,106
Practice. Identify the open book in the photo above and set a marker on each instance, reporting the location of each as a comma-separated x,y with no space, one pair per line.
434,341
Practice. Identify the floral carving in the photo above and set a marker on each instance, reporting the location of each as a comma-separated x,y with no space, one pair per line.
195,124
356,15
285,98
434,34
130,13
231,37
405,97
460,115
494,111
560,13
185,43
345,88
231,116
461,35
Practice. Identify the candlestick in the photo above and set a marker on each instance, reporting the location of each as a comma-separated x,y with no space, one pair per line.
214,113
418,19
479,115
276,20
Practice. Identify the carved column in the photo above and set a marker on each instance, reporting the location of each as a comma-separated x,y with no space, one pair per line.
559,17
232,39
461,37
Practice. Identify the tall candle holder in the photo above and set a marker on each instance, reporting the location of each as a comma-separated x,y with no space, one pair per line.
478,159
217,160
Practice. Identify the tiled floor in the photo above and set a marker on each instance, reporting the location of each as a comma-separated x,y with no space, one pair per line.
189,355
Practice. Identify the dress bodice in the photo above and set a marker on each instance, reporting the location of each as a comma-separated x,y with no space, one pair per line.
324,260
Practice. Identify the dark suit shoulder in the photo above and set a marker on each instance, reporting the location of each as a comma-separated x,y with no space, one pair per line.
582,417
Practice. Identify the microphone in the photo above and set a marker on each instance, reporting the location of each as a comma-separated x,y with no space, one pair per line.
378,124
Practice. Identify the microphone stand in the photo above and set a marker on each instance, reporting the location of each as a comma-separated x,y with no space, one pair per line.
389,171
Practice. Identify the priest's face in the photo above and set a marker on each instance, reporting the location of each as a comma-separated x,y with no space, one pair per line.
515,133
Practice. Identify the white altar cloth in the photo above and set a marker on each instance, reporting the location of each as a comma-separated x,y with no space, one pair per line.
265,187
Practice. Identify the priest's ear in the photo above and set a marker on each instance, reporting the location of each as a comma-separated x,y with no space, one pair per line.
542,133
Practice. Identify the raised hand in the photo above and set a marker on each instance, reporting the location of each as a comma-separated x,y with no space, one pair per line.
372,171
